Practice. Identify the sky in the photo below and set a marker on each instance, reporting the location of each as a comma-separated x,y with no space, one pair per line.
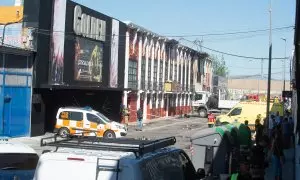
200,17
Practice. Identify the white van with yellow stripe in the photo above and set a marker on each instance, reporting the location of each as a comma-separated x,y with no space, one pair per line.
76,120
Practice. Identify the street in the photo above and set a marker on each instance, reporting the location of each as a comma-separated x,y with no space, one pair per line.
181,128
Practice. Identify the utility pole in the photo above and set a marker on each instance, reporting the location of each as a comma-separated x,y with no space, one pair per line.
270,66
261,76
284,39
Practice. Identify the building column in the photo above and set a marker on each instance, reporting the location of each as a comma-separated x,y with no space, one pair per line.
168,102
178,55
152,60
140,43
181,67
158,61
189,74
145,107
126,68
185,70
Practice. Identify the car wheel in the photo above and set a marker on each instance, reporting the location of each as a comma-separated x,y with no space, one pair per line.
202,113
64,132
109,134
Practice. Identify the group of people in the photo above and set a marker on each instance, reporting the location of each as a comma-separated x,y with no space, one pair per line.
267,148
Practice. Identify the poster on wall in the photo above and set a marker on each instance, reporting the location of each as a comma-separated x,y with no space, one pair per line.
58,41
113,81
88,60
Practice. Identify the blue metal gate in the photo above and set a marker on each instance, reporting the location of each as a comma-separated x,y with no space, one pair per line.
15,98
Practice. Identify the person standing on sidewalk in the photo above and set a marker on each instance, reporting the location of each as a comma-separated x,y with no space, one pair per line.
277,154
139,114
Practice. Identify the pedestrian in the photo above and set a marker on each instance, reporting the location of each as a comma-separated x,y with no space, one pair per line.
259,128
271,124
140,119
286,132
249,133
277,154
277,118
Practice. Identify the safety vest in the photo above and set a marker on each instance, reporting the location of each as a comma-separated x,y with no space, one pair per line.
234,176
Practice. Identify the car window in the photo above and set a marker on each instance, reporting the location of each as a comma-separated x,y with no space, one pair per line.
71,115
93,118
162,167
198,97
18,161
187,166
236,112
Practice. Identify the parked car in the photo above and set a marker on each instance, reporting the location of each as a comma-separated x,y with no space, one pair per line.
17,160
77,120
84,158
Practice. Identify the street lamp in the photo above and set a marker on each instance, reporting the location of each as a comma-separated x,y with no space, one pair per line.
284,39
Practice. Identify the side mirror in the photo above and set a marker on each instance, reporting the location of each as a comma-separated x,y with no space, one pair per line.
200,174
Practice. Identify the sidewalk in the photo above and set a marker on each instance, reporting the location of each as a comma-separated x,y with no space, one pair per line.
288,167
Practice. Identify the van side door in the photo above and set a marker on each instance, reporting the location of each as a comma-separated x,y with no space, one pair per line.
73,120
94,124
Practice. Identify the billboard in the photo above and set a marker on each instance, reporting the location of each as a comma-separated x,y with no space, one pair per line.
58,42
113,80
88,64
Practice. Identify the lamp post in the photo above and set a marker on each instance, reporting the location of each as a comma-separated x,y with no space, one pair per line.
284,39
270,65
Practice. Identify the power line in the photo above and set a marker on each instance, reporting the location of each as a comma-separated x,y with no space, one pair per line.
230,33
230,54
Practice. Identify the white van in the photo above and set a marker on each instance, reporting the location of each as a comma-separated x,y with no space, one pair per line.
17,160
114,159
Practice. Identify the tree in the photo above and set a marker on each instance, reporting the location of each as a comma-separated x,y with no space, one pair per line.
219,66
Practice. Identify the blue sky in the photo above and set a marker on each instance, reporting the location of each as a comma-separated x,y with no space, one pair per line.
193,17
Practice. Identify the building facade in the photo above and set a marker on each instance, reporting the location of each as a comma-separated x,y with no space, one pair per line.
85,58
161,74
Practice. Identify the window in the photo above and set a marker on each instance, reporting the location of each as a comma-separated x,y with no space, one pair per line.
160,71
166,69
149,70
93,118
132,74
162,167
198,97
71,115
175,72
143,70
171,69
18,161
235,112
187,166
155,71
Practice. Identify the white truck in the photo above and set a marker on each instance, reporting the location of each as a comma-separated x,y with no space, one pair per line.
201,106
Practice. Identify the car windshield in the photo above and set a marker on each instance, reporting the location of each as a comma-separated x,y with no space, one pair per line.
103,117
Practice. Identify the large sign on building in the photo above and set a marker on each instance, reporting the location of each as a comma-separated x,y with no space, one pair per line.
88,26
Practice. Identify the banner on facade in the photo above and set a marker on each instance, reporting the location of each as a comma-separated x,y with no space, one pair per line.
88,60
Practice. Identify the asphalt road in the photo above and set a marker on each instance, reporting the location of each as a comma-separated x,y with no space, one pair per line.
181,128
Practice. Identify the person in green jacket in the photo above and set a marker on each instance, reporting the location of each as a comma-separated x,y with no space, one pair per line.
244,173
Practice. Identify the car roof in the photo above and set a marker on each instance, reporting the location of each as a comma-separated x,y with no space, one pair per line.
113,155
79,109
7,146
